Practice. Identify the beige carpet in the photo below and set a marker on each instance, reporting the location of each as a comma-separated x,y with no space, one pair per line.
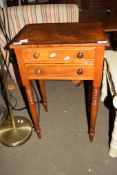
64,148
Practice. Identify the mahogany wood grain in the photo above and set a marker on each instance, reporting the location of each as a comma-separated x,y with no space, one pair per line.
59,35
66,51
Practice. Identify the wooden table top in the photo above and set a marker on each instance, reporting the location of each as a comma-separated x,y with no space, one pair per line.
61,34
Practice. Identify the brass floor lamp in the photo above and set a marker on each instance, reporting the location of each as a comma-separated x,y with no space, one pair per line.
14,130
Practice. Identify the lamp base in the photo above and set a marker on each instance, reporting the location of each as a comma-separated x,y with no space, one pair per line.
14,137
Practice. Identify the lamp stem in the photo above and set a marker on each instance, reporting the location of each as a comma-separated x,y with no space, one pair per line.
4,79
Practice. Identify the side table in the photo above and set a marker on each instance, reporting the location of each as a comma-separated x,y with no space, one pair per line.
67,51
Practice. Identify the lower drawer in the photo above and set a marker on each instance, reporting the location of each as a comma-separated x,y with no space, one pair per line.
60,71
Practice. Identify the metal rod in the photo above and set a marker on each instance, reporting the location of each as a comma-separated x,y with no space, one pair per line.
4,80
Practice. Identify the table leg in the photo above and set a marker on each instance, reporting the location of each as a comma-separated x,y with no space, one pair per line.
90,85
33,109
43,94
94,109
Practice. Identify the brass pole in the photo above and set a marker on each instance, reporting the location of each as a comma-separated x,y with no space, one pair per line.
4,79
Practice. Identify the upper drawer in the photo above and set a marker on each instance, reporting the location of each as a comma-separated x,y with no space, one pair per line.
58,55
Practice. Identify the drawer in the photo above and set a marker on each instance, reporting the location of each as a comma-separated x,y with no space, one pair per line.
59,55
60,71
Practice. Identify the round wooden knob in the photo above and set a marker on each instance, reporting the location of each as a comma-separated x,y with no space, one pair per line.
36,55
38,71
80,55
80,71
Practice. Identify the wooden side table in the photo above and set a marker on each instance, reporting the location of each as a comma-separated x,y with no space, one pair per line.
67,51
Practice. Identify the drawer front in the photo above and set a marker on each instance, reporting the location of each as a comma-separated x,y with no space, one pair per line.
59,55
60,71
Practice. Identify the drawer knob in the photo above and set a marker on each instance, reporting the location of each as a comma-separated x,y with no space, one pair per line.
80,71
36,55
80,55
37,71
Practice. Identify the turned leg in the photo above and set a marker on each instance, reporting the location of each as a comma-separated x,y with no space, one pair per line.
89,96
33,109
88,92
94,109
43,94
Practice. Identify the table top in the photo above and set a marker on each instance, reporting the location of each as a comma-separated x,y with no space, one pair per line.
60,34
